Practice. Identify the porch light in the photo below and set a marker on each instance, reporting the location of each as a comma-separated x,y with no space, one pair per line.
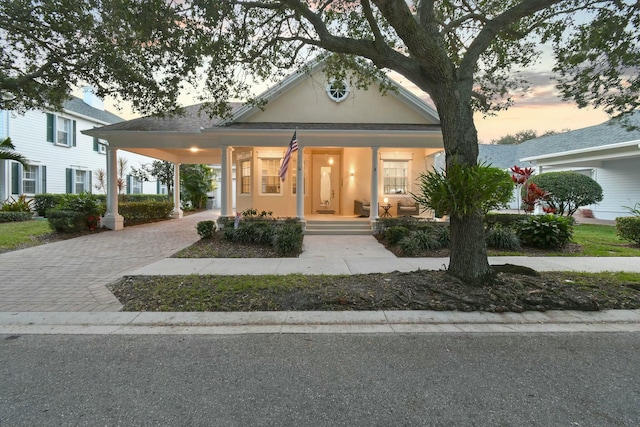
194,149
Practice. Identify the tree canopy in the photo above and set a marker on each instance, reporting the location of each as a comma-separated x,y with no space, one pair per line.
522,136
466,54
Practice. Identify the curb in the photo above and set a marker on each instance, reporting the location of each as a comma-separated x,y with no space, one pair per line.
311,322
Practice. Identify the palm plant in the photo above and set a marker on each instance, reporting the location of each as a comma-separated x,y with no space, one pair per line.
8,152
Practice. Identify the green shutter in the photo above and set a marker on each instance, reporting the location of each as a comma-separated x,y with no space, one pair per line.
43,176
69,181
129,184
73,129
95,144
15,178
158,187
50,125
90,189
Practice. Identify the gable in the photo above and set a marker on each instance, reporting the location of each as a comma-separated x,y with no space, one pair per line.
305,100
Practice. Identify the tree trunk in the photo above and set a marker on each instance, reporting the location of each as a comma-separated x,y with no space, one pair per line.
468,260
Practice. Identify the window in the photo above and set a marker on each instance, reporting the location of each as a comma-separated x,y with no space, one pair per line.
78,181
337,90
269,176
294,175
81,182
61,131
31,179
134,185
245,177
395,177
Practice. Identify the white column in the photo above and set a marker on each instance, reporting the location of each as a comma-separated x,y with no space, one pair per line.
300,185
230,179
112,219
225,181
373,213
177,212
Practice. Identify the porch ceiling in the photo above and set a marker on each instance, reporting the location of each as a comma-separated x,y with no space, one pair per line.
205,146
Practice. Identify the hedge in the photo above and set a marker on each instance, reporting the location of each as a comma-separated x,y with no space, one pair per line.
503,219
66,221
15,216
137,212
628,228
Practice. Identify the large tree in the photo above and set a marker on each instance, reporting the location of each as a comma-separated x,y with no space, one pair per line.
466,54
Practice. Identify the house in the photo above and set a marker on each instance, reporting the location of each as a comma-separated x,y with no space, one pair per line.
61,158
355,145
609,153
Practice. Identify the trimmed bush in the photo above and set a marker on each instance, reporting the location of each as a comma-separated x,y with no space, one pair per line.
87,203
206,229
140,212
66,221
128,198
545,231
505,220
568,190
287,239
628,228
500,237
43,202
15,216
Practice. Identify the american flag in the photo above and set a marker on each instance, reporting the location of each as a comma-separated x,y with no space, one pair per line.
293,146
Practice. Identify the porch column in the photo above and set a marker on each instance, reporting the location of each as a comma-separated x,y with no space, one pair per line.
300,185
177,212
112,219
226,181
373,213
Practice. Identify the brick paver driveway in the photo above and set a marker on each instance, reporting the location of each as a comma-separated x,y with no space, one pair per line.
72,275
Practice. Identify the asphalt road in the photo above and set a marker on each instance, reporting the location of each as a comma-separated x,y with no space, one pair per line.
321,380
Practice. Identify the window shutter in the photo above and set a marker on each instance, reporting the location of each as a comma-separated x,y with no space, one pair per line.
73,129
43,176
90,190
158,187
50,122
69,181
95,144
129,183
15,178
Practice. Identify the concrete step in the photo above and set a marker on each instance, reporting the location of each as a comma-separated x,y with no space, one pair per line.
338,227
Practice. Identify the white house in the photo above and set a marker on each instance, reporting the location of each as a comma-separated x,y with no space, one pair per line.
609,153
61,158
356,148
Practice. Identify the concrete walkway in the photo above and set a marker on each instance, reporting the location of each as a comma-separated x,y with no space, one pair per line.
71,276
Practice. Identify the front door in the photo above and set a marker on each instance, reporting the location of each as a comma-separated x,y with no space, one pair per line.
326,183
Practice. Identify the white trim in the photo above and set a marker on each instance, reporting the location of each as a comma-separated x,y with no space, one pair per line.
582,151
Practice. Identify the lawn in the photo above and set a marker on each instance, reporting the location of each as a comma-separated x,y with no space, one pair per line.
15,235
601,240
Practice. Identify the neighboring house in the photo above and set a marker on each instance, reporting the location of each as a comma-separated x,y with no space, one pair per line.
354,145
609,153
61,158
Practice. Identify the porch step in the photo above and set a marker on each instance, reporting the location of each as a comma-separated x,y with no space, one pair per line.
338,227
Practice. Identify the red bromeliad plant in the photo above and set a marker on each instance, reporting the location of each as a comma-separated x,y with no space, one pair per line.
532,194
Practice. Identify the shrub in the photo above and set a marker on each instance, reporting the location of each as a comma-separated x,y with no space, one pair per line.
15,216
500,237
545,231
465,190
43,202
125,198
427,239
628,228
206,229
19,205
86,203
287,239
568,190
409,245
139,212
66,221
501,219
441,231
396,233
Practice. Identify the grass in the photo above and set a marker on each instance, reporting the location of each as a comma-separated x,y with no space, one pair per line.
16,234
601,240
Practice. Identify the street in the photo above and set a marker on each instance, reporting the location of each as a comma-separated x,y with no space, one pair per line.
584,379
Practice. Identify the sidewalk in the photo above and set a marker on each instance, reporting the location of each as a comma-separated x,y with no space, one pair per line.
68,279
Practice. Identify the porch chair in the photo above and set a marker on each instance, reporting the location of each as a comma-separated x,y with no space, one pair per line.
408,207
361,207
